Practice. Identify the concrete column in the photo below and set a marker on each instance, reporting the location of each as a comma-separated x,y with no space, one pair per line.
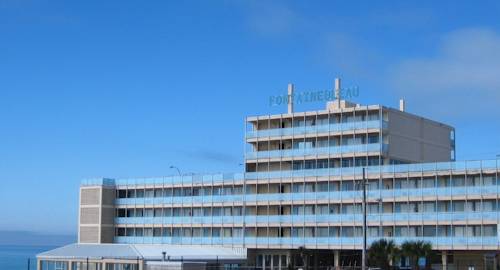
444,261
38,264
336,259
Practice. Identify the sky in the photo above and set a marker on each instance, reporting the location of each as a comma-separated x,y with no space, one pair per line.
130,88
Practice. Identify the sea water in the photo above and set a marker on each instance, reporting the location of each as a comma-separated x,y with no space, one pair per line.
16,257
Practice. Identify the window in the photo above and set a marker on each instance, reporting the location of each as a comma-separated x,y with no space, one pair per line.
489,230
429,231
121,193
489,206
158,212
148,232
459,231
334,231
322,187
489,180
458,206
148,212
473,180
121,212
130,232
167,232
323,232
429,182
444,230
120,232
373,138
158,192
149,193
429,206
458,181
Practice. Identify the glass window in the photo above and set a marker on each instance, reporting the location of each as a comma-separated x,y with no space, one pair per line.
444,231
139,193
148,232
158,212
167,232
458,181
373,232
489,230
120,231
216,232
323,232
149,193
121,212
458,206
347,232
489,180
130,232
444,206
473,180
429,231
429,182
148,212
121,193
489,205
459,231
429,206
158,192
334,231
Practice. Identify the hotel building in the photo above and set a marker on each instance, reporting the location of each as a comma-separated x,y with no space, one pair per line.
299,202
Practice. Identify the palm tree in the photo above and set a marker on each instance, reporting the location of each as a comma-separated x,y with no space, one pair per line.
415,250
381,253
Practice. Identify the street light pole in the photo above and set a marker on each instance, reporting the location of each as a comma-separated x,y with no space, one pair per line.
363,254
174,167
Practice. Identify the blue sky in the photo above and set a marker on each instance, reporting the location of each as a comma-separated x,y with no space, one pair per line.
126,89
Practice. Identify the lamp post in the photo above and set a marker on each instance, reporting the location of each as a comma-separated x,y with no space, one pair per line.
363,254
174,167
363,205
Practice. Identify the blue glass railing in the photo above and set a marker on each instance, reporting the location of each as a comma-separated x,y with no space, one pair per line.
372,147
301,219
306,241
372,124
402,168
372,195
457,166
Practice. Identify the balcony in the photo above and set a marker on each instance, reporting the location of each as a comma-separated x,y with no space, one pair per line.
486,242
318,151
456,166
277,132
299,220
411,194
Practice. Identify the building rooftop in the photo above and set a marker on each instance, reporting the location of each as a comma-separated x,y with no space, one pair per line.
145,251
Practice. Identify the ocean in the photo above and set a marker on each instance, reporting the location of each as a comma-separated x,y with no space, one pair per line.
16,257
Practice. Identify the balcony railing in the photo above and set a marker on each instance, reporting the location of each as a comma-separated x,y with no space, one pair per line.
412,194
477,242
301,219
333,150
372,124
456,166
